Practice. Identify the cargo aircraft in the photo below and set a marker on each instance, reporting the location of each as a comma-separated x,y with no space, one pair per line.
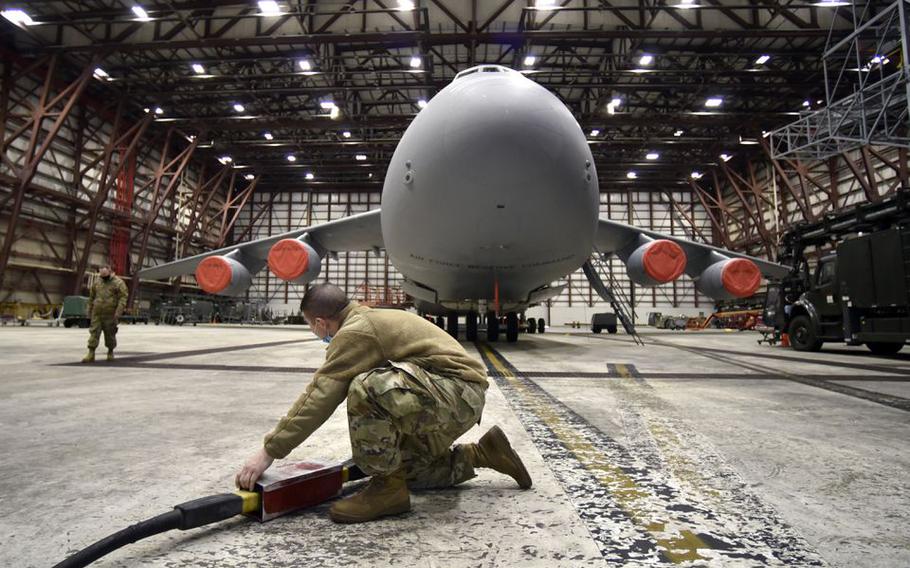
491,196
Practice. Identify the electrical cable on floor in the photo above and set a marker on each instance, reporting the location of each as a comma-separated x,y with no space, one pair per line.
189,515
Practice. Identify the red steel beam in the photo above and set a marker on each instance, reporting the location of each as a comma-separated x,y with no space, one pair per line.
107,180
34,156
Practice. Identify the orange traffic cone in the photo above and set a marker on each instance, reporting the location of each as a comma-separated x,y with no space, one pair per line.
785,340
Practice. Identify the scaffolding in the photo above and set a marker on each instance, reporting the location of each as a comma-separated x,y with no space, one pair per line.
867,89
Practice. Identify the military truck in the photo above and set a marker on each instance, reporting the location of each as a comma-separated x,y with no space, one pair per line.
857,294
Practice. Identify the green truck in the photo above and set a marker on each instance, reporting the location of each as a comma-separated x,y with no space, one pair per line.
75,313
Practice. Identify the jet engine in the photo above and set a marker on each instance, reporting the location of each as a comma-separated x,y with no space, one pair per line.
656,262
223,275
730,278
294,261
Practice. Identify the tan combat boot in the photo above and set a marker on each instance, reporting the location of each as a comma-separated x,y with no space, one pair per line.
110,355
89,357
383,496
495,452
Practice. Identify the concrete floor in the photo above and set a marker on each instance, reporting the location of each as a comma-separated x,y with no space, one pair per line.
699,449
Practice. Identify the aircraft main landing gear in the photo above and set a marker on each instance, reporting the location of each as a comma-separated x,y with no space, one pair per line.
470,326
511,327
492,326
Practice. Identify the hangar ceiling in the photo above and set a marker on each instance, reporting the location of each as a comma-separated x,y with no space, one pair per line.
258,86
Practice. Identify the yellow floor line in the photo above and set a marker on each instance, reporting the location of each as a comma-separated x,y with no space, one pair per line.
678,549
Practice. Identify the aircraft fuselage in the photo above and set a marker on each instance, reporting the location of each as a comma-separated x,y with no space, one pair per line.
491,193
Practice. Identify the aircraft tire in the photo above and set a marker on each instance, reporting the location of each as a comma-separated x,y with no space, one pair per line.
492,327
470,326
452,325
541,325
512,327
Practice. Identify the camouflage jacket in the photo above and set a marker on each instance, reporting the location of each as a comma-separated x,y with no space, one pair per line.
107,297
367,339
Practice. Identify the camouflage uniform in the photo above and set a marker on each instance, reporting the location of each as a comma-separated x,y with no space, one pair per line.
106,299
403,416
411,390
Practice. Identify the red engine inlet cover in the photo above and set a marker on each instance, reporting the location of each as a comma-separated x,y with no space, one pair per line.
741,277
213,274
288,259
664,261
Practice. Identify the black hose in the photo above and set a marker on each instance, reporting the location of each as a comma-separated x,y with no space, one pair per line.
185,516
155,525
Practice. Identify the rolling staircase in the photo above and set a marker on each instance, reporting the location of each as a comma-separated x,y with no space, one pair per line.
610,292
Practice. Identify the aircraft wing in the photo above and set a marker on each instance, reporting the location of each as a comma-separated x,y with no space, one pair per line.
357,232
654,258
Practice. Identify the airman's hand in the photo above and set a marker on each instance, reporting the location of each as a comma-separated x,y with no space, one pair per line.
254,467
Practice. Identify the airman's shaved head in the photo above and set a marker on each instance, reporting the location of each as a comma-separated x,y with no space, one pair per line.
324,301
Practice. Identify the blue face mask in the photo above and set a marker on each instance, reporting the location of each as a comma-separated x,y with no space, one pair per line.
327,339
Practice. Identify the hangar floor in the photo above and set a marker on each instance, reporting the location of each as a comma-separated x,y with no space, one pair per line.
698,449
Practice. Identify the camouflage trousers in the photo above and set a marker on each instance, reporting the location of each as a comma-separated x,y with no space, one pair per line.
405,417
106,323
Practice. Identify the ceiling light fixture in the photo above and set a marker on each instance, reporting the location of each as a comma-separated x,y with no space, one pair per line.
652,155
268,136
422,103
405,5
632,175
292,158
198,69
239,107
611,106
269,8
595,132
360,157
725,157
696,175
415,62
141,14
530,60
762,60
101,74
714,102
18,17
305,65
678,133
346,134
309,175
249,177
646,60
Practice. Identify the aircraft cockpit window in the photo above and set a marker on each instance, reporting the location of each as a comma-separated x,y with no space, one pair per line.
491,69
463,73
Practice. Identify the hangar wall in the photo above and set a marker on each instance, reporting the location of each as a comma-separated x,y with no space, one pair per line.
54,227
369,276
753,209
